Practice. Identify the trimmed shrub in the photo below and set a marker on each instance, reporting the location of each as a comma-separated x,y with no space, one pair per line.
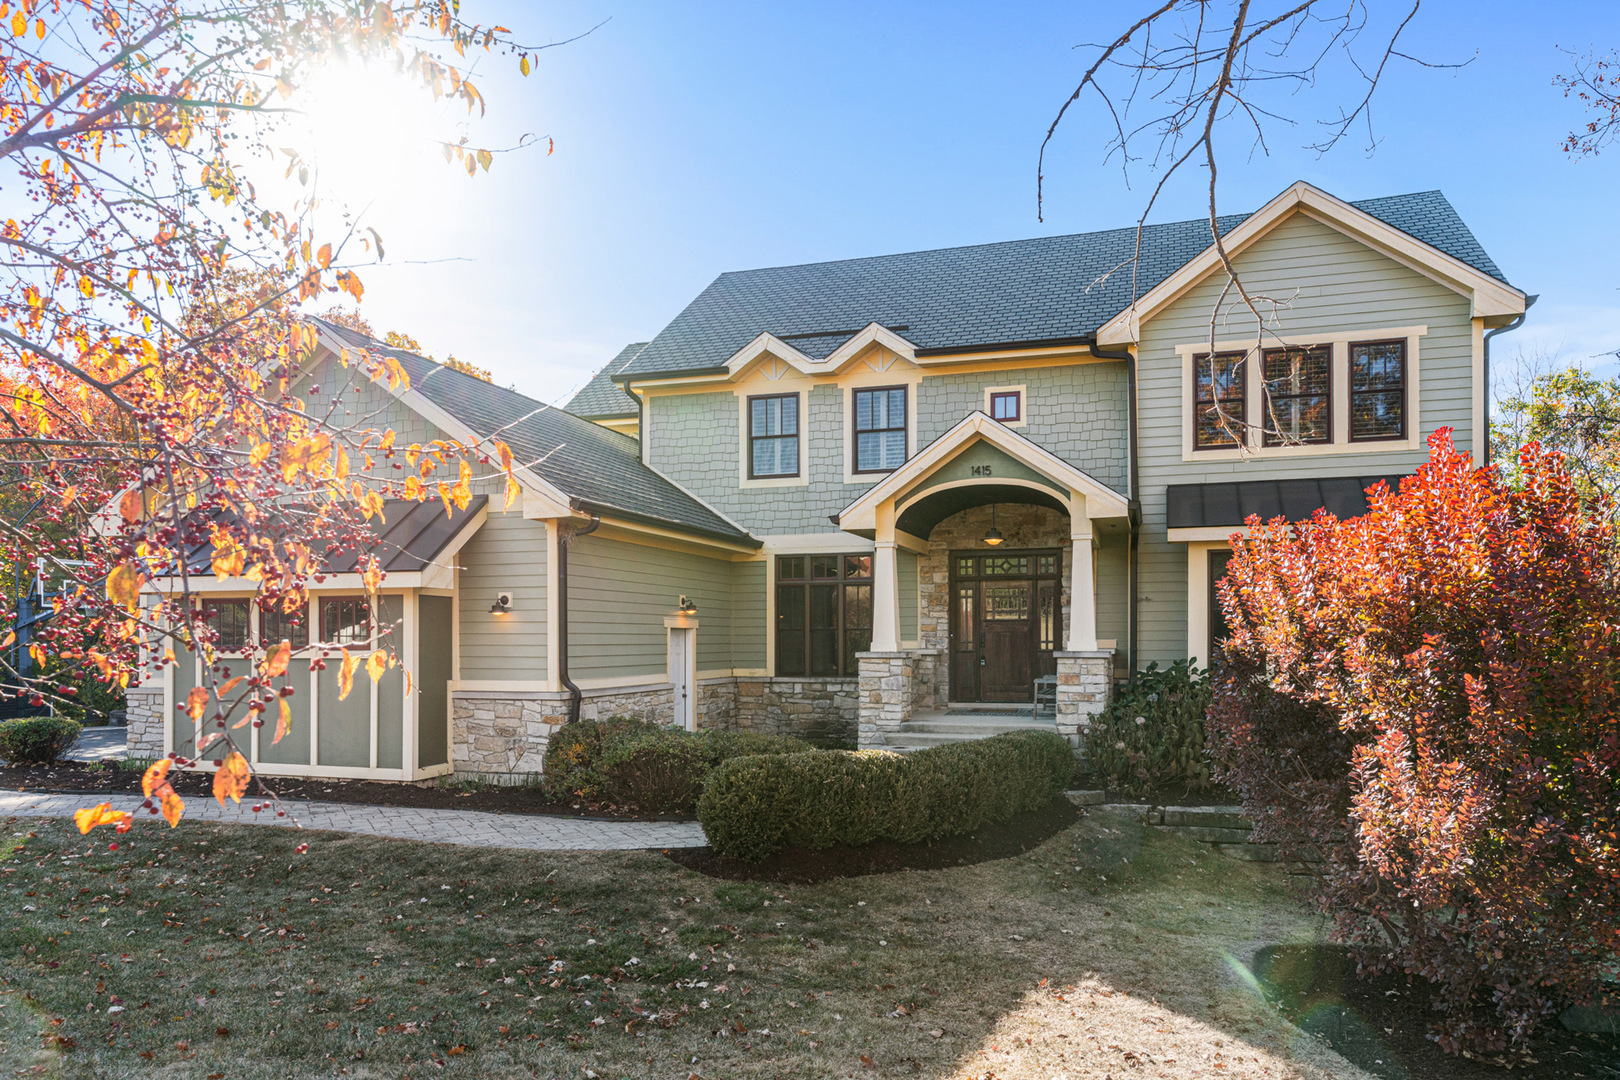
36,740
1152,734
1422,701
655,769
753,807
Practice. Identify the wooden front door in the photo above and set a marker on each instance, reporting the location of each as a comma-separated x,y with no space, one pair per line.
1004,623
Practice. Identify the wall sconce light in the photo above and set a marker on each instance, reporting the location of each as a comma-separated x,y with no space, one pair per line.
687,606
992,535
502,604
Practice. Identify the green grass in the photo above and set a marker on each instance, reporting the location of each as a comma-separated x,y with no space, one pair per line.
232,956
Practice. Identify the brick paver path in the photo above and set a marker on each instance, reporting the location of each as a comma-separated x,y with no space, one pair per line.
471,827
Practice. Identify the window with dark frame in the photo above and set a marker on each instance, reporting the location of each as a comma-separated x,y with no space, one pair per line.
823,614
1007,406
1377,390
880,429
773,436
229,618
1219,385
1218,629
1299,384
345,620
276,626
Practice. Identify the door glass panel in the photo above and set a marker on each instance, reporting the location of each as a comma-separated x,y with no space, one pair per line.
790,638
824,629
1048,615
1006,603
1006,565
1048,565
964,566
964,617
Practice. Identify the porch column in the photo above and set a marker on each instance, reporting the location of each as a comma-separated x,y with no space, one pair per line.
885,597
1082,636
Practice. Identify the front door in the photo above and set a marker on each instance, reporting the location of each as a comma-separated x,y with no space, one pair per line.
1004,623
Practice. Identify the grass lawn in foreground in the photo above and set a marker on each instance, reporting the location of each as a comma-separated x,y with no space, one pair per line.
217,952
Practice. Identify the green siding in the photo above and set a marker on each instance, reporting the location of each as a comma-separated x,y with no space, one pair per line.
293,749
432,673
1113,586
1337,285
345,725
390,690
747,614
619,595
907,573
507,555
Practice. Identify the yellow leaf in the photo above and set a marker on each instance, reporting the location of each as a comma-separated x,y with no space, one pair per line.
87,287
173,806
346,674
372,576
231,778
102,814
283,721
124,585
513,491
325,256
69,495
155,776
19,24
130,507
232,685
523,65
413,488
196,702
259,454
276,663
407,682
376,664
229,554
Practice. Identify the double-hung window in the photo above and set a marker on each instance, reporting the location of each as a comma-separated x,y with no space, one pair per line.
1219,384
1377,390
276,625
1298,384
880,429
823,614
345,620
773,436
230,621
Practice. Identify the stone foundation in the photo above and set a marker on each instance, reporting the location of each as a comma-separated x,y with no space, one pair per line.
654,703
501,736
143,706
820,711
886,693
1085,686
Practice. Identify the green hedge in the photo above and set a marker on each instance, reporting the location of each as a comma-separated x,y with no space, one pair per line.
1152,734
659,770
754,807
36,740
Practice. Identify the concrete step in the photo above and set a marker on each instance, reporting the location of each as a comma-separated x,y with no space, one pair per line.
974,727
1213,817
916,740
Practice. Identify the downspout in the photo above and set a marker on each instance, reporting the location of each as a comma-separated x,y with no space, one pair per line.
1485,379
563,544
1135,496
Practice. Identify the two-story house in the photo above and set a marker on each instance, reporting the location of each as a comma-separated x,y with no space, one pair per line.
833,498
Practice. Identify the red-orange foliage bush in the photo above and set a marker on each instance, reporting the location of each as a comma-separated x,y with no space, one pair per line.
1422,704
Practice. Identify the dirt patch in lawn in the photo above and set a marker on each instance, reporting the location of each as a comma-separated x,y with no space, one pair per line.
797,865
73,777
1382,1023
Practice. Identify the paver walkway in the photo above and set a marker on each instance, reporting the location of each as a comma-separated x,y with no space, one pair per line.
470,827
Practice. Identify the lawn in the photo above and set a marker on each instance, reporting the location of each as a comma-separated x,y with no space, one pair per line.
218,952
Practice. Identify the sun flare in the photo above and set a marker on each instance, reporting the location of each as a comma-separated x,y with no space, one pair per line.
367,129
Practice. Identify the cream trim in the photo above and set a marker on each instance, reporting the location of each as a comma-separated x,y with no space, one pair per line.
1254,397
635,532
514,686
1205,533
1198,600
553,603
827,543
1476,384
1023,404
620,682
1488,296
884,370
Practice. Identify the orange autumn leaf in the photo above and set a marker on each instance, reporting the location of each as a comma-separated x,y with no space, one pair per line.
129,507
283,721
346,674
155,776
276,663
231,778
376,664
232,685
229,554
173,806
196,702
102,814
124,585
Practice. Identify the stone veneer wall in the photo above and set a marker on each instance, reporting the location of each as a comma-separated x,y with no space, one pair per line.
886,695
1085,687
821,711
144,708
1024,526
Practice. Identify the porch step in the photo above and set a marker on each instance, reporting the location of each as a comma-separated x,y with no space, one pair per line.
953,725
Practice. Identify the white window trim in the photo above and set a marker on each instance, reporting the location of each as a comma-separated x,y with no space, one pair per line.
1023,404
1340,342
1198,600
890,375
745,451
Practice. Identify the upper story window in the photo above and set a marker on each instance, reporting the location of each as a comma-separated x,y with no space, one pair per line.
823,613
1377,390
230,619
1007,406
276,626
1299,384
880,429
773,436
346,620
1219,387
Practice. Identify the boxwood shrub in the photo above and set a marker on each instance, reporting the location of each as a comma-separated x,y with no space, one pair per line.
1152,734
753,807
36,740
655,769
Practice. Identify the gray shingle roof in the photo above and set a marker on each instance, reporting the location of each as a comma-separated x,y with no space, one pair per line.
600,470
602,398
1047,288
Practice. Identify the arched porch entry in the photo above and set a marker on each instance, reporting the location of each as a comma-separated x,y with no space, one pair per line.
991,618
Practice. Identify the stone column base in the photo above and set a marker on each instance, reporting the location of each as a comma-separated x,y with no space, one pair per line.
1085,687
885,695
144,715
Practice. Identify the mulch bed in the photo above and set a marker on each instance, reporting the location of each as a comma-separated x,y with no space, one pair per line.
1382,1023
77,778
798,866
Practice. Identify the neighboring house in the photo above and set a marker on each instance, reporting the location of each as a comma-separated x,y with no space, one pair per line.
865,489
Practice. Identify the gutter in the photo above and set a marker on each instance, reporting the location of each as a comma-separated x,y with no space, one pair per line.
598,510
574,693
1133,484
1485,378
995,346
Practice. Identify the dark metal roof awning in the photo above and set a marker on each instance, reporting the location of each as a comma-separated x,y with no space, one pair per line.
1196,506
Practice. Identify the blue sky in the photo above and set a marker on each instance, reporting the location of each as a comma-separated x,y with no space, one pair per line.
692,139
